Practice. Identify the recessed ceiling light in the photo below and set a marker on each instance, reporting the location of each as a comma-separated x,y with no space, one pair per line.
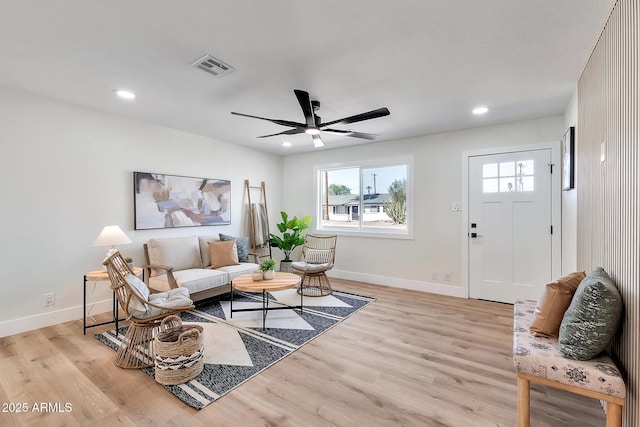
125,94
286,144
480,110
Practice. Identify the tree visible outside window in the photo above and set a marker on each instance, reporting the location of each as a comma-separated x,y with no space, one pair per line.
338,189
396,207
371,198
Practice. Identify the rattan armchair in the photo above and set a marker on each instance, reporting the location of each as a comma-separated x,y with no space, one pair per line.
318,256
145,310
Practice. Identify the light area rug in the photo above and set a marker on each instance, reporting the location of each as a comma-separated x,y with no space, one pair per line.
236,349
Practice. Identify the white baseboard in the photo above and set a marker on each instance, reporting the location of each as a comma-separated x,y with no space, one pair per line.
416,285
53,317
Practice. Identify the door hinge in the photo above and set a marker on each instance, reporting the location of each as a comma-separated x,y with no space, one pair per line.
552,229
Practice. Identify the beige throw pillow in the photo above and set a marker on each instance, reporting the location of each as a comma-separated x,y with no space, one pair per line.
553,303
223,253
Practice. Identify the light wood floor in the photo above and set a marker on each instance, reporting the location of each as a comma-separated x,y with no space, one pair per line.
409,359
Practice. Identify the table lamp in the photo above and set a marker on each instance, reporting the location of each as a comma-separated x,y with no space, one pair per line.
111,235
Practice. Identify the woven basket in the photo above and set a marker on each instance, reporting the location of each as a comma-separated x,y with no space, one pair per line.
179,351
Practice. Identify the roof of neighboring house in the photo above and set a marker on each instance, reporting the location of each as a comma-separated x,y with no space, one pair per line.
354,199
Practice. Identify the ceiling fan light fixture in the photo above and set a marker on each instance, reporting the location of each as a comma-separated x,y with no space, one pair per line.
125,94
480,110
312,131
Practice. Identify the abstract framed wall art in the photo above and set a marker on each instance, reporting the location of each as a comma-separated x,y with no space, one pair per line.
568,159
168,201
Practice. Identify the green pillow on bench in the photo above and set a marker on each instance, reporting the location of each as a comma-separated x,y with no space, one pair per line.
592,319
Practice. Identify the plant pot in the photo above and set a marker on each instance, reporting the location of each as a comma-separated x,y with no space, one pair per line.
268,275
285,266
256,276
131,264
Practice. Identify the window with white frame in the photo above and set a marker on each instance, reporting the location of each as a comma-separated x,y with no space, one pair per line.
507,177
371,198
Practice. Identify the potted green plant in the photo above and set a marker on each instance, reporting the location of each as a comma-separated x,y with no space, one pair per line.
267,266
129,261
291,230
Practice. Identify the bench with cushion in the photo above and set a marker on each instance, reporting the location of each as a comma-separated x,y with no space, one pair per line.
561,341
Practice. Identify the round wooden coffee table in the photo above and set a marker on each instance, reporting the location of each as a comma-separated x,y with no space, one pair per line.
280,282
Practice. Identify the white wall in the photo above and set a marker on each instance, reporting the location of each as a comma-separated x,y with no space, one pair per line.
66,172
437,177
570,200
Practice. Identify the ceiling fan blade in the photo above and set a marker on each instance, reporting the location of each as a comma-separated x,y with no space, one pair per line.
352,134
276,121
305,104
317,141
380,112
286,132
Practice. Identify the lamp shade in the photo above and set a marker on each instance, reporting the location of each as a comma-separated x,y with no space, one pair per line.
111,235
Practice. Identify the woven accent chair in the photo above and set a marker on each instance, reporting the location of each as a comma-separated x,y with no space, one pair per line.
318,256
144,309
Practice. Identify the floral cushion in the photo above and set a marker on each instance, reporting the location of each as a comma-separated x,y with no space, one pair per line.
541,357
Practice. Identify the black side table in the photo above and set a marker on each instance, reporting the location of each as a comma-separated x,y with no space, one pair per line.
102,276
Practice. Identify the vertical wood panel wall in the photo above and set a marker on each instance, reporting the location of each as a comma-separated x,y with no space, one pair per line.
609,191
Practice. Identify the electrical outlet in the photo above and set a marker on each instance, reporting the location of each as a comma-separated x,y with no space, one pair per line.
49,299
434,275
447,276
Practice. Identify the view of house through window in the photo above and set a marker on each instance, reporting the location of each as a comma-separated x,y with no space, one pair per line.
367,198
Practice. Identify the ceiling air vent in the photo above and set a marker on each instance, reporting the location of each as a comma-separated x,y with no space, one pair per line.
213,66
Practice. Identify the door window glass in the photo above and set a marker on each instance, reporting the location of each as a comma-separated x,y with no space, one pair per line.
507,177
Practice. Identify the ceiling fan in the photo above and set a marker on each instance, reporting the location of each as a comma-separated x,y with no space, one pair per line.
313,124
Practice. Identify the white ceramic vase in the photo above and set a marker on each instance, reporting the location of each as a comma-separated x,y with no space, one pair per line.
268,275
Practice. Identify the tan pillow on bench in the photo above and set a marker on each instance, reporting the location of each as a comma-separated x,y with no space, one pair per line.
553,303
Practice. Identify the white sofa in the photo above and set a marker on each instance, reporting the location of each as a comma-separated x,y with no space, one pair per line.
186,262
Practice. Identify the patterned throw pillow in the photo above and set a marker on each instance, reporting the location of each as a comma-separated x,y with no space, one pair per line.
318,256
241,242
592,318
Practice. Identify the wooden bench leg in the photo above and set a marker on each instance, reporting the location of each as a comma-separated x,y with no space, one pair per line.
614,415
523,402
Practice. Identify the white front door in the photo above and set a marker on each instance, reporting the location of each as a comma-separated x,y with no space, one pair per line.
510,225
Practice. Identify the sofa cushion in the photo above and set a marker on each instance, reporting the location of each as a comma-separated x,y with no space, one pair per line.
223,253
592,318
181,253
241,242
204,249
236,270
195,279
553,303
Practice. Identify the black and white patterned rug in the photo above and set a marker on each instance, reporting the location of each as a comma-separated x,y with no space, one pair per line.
236,349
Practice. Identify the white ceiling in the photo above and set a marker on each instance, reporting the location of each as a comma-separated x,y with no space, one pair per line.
429,61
